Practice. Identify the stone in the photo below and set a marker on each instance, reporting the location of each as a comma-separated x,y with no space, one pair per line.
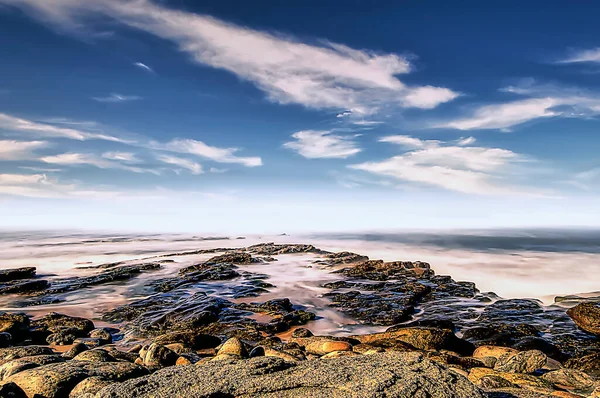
338,354
90,342
158,356
195,340
24,286
493,382
18,365
589,364
91,385
8,354
493,351
422,338
63,336
570,379
523,362
15,324
54,322
262,351
233,346
58,379
102,334
321,345
74,351
586,316
400,375
17,273
522,380
95,355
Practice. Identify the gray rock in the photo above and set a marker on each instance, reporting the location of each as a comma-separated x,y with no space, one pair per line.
8,354
95,355
401,375
18,365
570,379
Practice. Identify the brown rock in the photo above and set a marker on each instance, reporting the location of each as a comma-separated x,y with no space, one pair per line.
91,385
233,346
493,351
523,362
586,316
570,379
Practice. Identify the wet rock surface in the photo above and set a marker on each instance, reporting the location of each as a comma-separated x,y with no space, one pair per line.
197,333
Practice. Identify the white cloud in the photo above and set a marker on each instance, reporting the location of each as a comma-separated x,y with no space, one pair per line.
88,159
592,55
322,144
13,123
465,141
19,150
199,148
408,141
218,171
328,75
143,66
127,157
188,164
114,97
466,169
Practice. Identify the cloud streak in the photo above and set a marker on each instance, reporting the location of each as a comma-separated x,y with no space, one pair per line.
199,148
114,98
195,168
20,150
328,75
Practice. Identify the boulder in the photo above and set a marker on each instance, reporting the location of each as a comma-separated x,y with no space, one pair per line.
158,356
589,363
586,316
570,379
103,334
18,365
15,324
11,390
16,273
54,322
75,350
400,375
91,385
95,355
523,362
58,379
195,340
8,354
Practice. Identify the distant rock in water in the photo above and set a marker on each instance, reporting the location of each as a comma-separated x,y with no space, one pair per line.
587,317
17,273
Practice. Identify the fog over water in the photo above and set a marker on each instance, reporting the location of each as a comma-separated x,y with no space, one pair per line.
526,264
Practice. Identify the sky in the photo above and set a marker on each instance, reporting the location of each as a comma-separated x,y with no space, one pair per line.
271,116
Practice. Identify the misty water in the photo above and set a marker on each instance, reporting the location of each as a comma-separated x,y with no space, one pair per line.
513,264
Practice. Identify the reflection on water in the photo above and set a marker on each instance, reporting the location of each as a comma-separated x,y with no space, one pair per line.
521,265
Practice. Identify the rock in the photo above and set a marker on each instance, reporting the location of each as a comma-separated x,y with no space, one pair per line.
195,340
24,287
58,379
11,390
493,382
188,358
8,354
422,338
158,356
5,339
302,332
75,350
523,362
569,379
541,344
338,354
589,364
400,375
16,273
233,346
322,345
102,334
500,334
233,258
345,258
586,316
18,365
63,336
384,345
54,322
90,342
262,351
522,380
15,324
272,249
96,355
91,385
493,351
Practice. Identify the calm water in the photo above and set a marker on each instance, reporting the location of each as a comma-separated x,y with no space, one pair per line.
532,264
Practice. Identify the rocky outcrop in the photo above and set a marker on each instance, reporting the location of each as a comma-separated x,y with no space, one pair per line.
401,375
17,273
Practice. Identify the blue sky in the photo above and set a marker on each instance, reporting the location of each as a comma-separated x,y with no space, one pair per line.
298,115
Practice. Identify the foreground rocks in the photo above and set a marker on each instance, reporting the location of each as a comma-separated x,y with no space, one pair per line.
390,374
193,337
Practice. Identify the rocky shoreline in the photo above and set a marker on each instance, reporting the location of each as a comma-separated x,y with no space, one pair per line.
438,337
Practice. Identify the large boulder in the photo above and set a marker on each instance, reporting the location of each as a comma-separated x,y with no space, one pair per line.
587,317
401,375
58,379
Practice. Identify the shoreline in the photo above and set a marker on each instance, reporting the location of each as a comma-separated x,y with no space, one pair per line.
228,306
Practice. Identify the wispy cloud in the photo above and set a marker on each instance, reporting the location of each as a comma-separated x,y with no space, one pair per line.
143,66
590,55
88,159
466,169
195,168
322,144
543,102
128,157
199,148
327,75
114,97
20,150
43,129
